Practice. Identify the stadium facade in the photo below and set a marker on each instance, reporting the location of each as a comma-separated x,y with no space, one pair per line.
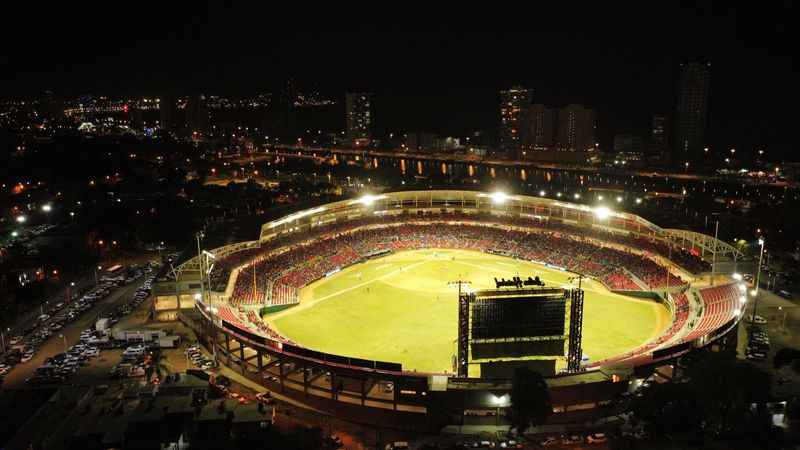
704,309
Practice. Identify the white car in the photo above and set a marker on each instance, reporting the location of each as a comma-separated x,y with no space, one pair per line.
596,438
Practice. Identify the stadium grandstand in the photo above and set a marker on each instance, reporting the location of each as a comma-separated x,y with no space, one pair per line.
624,252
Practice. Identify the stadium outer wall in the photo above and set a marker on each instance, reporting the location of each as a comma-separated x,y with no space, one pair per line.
418,400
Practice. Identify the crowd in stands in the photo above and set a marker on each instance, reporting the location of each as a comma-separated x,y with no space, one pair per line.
680,313
274,273
654,278
222,269
276,278
264,328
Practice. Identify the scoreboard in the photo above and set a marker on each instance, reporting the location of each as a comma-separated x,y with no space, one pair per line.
502,329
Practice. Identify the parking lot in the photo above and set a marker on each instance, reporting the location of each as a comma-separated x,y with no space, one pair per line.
62,341
776,323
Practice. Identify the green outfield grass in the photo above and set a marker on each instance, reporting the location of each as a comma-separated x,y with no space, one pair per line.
399,308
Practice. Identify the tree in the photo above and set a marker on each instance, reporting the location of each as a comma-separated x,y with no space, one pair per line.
530,399
666,407
725,388
715,399
785,356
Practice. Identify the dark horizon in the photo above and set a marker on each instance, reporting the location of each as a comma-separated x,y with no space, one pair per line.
444,81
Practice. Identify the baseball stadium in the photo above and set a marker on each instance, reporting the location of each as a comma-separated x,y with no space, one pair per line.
407,302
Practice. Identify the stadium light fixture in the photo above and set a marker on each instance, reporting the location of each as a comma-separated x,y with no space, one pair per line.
299,215
638,201
367,199
619,199
602,212
21,219
499,197
542,193
502,400
577,196
47,207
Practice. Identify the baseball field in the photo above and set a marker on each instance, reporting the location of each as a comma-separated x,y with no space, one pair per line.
402,308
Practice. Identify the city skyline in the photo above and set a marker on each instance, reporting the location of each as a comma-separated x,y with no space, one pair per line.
445,81
240,226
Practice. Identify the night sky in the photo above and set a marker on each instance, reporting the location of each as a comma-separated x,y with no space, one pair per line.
622,61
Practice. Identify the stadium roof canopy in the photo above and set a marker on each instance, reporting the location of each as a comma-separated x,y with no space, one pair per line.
497,203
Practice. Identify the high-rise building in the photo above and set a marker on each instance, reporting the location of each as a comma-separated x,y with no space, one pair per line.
52,106
692,111
197,119
514,108
543,120
358,111
167,112
576,128
628,143
659,134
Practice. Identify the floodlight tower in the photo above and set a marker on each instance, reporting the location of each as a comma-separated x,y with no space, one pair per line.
758,280
463,320
459,283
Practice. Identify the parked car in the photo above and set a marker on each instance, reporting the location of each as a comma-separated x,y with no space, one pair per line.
596,438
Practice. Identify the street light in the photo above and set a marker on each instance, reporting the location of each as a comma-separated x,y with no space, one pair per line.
65,341
758,279
785,310
3,339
